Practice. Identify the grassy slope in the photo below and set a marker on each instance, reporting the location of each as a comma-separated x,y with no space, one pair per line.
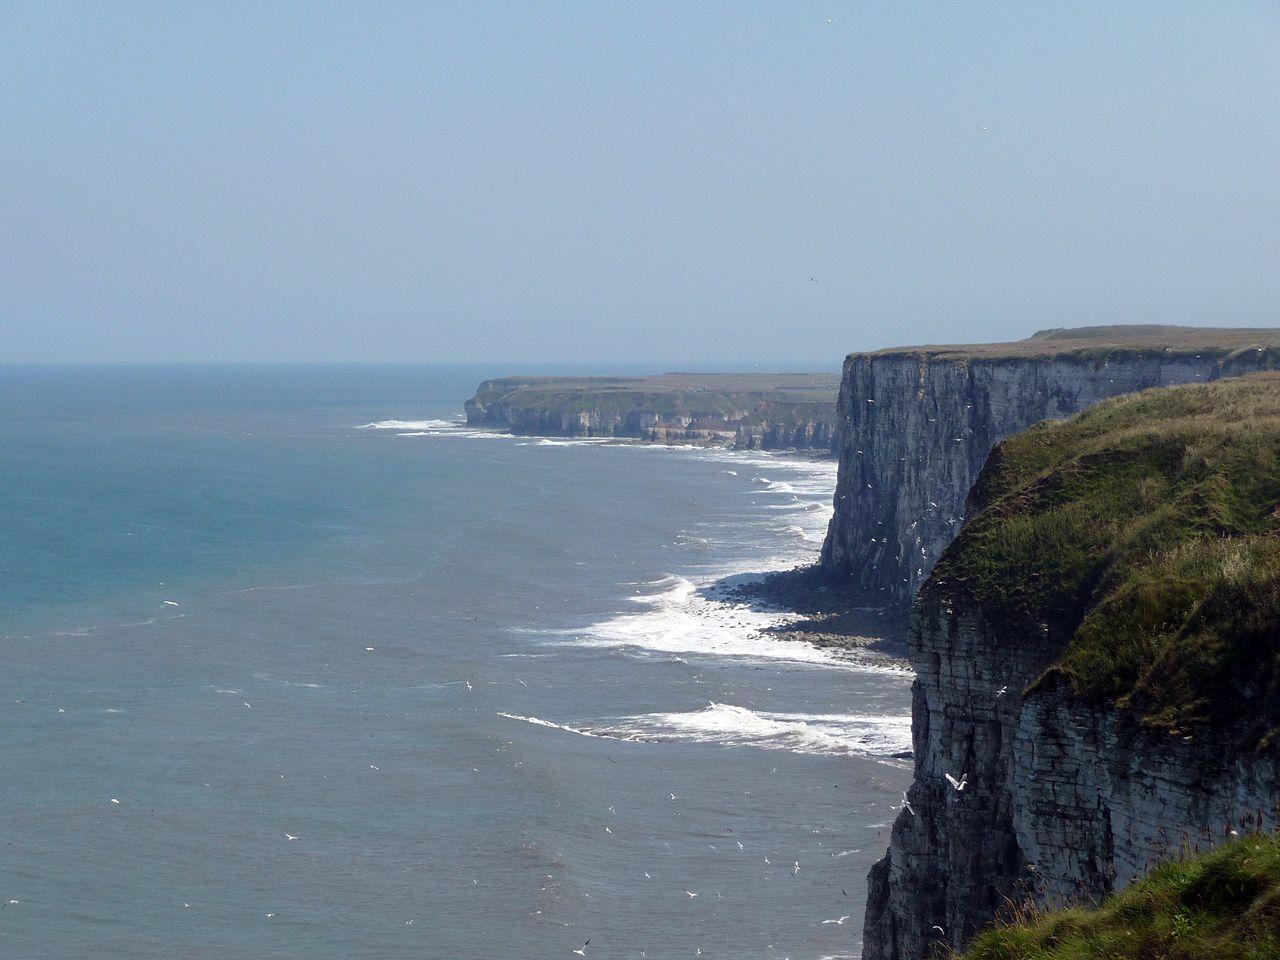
1225,905
1142,539
1088,344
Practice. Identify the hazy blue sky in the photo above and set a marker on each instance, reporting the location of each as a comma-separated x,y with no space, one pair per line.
608,181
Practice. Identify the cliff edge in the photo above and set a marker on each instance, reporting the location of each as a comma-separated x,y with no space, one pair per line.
916,425
1098,660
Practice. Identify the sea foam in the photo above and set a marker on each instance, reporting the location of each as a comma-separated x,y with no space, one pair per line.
728,725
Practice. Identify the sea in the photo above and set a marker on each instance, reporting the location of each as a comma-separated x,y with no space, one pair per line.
298,665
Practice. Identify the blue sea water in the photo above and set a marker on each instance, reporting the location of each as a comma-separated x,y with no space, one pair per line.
477,677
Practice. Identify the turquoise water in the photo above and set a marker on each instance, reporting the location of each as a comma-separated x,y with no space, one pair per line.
467,672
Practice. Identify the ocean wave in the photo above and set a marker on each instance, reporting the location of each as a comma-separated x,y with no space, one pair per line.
289,683
808,536
460,433
409,425
434,428
538,722
571,442
681,618
724,724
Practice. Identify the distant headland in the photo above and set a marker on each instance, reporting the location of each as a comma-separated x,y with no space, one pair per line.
768,411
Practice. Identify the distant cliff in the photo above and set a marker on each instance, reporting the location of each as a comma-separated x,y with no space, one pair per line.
916,425
1098,659
755,411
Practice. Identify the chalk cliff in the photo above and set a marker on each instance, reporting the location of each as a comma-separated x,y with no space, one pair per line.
1098,659
752,411
916,425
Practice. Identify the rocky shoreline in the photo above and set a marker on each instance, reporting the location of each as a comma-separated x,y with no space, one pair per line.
825,617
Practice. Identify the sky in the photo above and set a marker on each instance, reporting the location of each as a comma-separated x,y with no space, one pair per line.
604,182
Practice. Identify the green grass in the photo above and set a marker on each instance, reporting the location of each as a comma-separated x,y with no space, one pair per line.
1224,905
1141,540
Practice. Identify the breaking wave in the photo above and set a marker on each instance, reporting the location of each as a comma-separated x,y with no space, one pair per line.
538,722
732,726
409,425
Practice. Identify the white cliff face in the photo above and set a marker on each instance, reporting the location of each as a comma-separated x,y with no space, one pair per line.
811,434
914,430
1063,801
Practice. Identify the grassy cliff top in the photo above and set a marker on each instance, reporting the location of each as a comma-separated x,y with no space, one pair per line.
668,392
1141,541
1095,343
1224,905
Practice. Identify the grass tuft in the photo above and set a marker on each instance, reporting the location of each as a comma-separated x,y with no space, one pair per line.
1225,904
1142,539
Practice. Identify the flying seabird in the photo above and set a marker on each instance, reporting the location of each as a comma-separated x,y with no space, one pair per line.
839,922
958,784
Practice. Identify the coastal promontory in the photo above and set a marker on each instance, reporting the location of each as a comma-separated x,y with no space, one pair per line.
771,411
